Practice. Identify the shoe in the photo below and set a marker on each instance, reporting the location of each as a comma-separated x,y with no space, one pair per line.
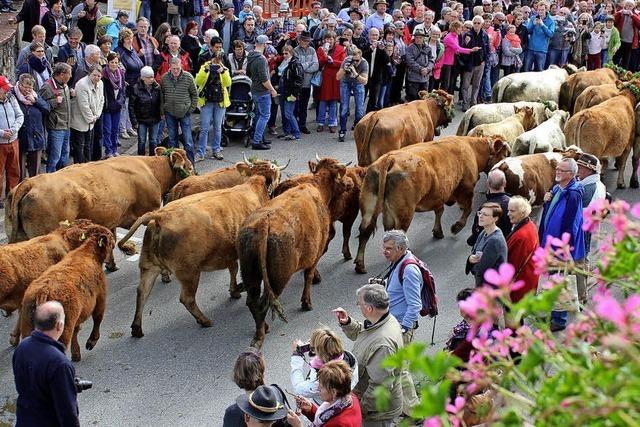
341,136
333,129
282,136
4,9
272,131
266,141
116,154
556,327
260,147
305,131
124,135
217,156
291,138
199,157
132,132
320,128
353,128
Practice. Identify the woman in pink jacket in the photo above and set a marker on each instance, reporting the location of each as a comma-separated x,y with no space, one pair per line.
451,48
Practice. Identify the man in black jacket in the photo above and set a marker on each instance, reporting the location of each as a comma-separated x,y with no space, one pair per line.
496,182
227,26
44,376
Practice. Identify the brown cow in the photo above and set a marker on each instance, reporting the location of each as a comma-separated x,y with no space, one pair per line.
113,193
594,95
199,233
78,282
288,234
423,178
578,82
23,262
608,130
344,208
395,127
532,175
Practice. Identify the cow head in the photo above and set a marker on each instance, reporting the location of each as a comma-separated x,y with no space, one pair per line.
444,101
332,168
528,119
270,170
498,150
178,160
77,231
572,152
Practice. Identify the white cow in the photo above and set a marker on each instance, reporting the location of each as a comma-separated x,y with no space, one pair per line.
546,137
530,86
483,114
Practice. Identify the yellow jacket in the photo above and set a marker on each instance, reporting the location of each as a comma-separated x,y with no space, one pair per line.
201,80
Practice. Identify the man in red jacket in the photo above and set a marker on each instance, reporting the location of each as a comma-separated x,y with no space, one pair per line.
173,50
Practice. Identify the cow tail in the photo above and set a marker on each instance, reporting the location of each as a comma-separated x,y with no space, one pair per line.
498,94
387,164
13,211
269,295
144,219
463,127
364,157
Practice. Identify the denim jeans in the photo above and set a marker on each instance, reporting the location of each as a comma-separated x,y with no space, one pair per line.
485,92
560,317
152,131
346,88
383,95
185,126
534,60
557,57
211,113
145,9
110,124
322,113
289,122
263,111
301,106
125,122
57,149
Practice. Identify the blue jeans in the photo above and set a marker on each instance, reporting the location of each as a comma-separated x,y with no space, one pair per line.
560,317
485,87
346,89
152,131
210,113
185,126
57,149
322,113
145,10
110,128
557,57
605,56
263,111
383,95
289,122
535,59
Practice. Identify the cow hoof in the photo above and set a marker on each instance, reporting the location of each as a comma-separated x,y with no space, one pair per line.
129,248
360,269
306,306
346,255
14,340
136,331
205,323
621,186
166,277
235,294
634,183
456,228
75,357
90,344
438,234
316,278
6,313
111,268
436,131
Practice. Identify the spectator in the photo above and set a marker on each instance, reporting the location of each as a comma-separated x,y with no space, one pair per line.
386,75
474,69
324,347
179,100
158,17
261,90
580,48
213,81
236,61
191,10
380,18
627,22
353,77
171,51
206,50
418,19
330,57
451,49
114,100
312,20
161,35
563,214
248,33
492,64
562,39
420,61
263,26
37,65
58,94
55,24
104,44
191,43
595,45
246,11
73,53
145,46
31,135
227,26
84,17
496,182
343,14
144,110
377,338
262,407
511,51
132,64
248,374
29,15
283,24
523,34
44,376
291,77
458,344
541,28
522,242
490,250
211,17
85,112
39,34
612,39
377,60
308,59
340,407
402,39
11,121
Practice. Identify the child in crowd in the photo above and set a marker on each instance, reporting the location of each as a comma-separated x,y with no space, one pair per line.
247,7
511,51
596,44
458,344
612,40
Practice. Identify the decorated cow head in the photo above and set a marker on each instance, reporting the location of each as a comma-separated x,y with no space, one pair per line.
442,100
335,168
498,150
77,231
269,169
178,160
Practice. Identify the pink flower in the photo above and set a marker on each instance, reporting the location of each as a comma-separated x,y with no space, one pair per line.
455,410
620,223
610,309
501,278
635,210
433,422
500,340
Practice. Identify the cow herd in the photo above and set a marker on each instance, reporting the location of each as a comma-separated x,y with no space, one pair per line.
61,226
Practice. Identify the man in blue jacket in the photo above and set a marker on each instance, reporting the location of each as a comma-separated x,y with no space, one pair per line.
563,214
44,376
541,28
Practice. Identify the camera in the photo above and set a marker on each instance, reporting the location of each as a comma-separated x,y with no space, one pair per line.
81,384
376,281
304,348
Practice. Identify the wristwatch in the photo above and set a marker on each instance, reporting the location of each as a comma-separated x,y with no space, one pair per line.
404,330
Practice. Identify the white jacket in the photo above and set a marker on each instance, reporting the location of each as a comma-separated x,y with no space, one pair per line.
307,385
87,105
11,118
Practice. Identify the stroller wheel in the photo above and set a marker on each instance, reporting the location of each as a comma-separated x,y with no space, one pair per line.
225,141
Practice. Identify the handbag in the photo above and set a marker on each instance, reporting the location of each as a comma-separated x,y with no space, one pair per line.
316,79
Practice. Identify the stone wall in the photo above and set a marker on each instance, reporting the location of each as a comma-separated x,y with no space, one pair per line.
9,48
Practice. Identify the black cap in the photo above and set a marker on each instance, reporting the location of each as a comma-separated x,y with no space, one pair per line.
589,161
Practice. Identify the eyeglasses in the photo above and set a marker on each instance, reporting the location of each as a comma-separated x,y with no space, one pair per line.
562,170
480,213
39,51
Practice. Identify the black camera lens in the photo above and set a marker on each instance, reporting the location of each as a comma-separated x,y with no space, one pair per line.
82,385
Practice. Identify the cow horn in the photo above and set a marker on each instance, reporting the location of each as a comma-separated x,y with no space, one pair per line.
347,164
246,160
318,157
281,168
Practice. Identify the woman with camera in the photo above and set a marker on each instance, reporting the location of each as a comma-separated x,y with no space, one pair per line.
353,76
323,347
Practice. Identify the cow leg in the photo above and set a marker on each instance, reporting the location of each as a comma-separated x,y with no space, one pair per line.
147,280
258,307
190,282
235,289
98,314
367,226
14,337
437,225
110,262
316,277
346,236
634,165
623,165
166,276
75,347
306,293
465,200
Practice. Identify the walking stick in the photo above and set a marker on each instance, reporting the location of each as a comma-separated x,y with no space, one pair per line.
433,330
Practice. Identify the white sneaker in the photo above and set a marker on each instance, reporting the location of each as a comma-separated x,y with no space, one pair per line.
132,132
124,135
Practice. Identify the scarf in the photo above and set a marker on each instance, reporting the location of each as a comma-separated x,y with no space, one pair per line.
37,64
283,66
460,332
514,39
317,364
327,410
91,14
116,79
23,99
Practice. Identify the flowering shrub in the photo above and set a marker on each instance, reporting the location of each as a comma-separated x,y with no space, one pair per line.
589,376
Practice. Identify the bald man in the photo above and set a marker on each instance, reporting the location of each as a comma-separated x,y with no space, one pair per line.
44,375
496,182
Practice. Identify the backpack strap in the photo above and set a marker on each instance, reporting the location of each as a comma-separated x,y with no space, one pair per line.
283,396
406,262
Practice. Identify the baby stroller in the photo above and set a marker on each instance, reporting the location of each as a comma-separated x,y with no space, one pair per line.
238,119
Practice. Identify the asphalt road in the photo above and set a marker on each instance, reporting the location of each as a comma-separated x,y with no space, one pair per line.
180,373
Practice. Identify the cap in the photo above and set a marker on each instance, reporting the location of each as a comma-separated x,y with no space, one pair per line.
262,39
227,6
419,31
146,71
247,3
356,11
486,2
305,35
399,25
5,84
122,13
377,2
589,161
